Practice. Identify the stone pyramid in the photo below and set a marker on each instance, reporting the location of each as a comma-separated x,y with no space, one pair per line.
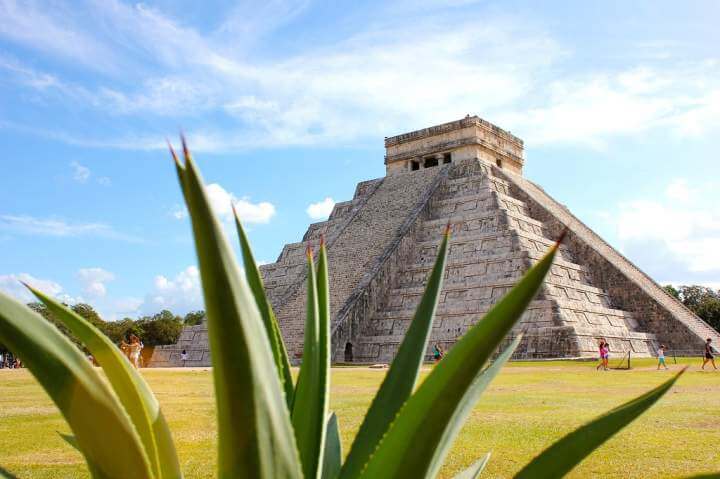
382,245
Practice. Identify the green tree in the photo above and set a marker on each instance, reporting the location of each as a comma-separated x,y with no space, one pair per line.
83,309
120,330
194,318
672,291
701,300
162,328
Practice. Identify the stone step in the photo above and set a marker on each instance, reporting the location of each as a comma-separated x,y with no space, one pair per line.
417,274
538,314
459,205
470,185
327,228
527,242
485,290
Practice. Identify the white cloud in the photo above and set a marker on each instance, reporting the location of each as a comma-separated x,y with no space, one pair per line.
93,281
682,99
180,293
222,202
321,209
104,181
675,236
80,173
179,212
364,85
369,75
678,190
30,225
11,284
52,31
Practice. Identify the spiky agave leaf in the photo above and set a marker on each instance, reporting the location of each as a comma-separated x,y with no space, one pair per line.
568,452
272,329
474,471
402,376
408,448
131,389
310,404
464,408
84,399
332,457
255,437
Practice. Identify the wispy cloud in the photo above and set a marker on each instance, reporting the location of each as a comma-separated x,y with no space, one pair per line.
52,30
683,99
12,285
93,281
378,80
80,173
30,225
675,236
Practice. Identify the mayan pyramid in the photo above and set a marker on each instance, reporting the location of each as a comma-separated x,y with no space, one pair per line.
383,242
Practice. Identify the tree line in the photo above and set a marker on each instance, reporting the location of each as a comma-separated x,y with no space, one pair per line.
156,330
701,300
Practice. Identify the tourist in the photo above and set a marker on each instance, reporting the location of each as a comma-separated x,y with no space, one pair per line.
2,360
709,357
606,355
134,349
601,349
183,356
661,357
437,352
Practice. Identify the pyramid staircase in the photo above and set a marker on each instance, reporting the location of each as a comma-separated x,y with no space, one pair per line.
494,240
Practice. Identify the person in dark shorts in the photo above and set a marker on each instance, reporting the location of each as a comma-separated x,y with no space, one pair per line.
708,357
437,352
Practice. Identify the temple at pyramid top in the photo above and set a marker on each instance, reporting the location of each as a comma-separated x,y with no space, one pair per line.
468,138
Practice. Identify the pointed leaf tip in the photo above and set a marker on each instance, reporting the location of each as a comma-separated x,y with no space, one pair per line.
561,237
172,152
322,240
186,150
309,251
448,229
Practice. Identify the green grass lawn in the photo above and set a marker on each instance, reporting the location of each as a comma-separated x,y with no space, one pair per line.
527,407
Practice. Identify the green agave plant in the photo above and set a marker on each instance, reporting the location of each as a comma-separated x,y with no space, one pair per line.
269,427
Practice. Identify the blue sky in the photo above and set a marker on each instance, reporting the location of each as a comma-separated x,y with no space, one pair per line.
286,104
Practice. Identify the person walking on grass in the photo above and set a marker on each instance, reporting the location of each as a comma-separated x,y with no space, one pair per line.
601,351
661,357
709,357
134,349
606,356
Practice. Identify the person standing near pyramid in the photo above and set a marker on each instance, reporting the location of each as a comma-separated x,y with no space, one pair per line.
709,357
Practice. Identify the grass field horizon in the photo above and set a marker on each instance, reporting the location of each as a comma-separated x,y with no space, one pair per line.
529,406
